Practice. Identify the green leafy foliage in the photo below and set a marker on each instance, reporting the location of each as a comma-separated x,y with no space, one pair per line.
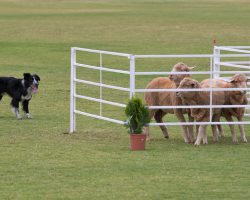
137,115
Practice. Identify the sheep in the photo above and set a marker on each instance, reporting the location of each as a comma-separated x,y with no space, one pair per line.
233,98
216,83
201,98
168,99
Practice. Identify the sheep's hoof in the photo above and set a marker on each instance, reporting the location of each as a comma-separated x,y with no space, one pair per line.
166,136
196,144
235,141
191,140
148,139
204,141
186,141
244,140
215,141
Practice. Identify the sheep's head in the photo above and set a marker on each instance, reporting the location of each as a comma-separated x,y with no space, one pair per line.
188,83
179,67
238,81
191,97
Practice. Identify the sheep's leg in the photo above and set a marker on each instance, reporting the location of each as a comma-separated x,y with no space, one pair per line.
201,134
146,128
185,133
205,134
181,118
191,129
214,128
197,130
221,131
215,133
231,126
242,131
146,131
158,118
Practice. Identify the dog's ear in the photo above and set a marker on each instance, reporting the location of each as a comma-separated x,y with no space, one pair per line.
36,77
26,76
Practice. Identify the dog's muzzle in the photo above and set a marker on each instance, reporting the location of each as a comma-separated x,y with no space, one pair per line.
34,88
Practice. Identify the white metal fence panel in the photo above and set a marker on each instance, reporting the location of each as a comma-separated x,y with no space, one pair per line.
74,96
220,51
214,72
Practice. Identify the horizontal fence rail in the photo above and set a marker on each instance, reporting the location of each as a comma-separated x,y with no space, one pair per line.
102,52
192,56
193,90
215,72
102,85
100,101
235,47
199,106
192,73
99,117
195,123
102,68
233,65
232,49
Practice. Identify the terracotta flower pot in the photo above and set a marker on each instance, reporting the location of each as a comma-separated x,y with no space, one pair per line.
137,142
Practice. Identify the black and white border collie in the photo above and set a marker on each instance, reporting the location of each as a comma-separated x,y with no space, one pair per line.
20,90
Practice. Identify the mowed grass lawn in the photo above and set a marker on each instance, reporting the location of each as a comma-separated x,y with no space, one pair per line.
39,161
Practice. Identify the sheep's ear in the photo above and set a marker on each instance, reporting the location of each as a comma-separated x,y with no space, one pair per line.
190,68
248,80
232,81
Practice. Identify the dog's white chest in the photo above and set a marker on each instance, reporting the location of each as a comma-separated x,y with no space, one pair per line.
28,96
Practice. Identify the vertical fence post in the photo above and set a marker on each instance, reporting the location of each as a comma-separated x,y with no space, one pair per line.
211,89
100,83
72,92
216,62
132,75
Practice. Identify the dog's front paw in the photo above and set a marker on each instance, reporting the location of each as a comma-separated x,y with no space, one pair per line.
28,116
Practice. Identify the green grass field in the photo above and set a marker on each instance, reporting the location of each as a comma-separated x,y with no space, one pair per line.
39,161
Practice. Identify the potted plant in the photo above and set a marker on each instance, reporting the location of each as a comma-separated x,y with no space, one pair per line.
137,117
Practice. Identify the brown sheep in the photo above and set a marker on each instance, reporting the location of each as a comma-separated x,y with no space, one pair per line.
233,98
216,83
168,99
201,98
